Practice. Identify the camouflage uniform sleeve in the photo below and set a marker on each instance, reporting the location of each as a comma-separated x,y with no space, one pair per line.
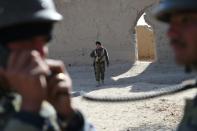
25,121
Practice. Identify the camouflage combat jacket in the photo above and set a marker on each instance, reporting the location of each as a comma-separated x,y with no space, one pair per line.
100,55
12,119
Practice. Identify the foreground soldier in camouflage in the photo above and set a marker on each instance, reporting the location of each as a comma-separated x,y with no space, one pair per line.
101,58
181,15
34,91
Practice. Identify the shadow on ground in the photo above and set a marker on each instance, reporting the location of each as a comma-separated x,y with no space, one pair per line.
138,75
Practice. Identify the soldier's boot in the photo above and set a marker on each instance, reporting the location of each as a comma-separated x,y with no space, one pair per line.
103,82
98,84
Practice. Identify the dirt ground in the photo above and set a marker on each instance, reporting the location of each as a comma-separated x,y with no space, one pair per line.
160,114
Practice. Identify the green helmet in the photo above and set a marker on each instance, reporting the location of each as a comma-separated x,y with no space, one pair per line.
13,12
167,7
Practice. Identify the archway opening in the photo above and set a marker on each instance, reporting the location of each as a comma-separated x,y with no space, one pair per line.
145,41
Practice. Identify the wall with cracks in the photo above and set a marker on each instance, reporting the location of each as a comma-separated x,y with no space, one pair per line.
110,21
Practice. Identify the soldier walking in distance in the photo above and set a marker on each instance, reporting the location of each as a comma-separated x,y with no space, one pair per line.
101,58
181,15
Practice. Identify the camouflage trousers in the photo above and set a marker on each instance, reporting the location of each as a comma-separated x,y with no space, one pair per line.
99,69
189,121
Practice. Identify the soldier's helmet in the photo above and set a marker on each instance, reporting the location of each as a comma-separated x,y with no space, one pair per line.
168,7
23,19
13,12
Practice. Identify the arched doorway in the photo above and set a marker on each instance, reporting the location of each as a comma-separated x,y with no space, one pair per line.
145,41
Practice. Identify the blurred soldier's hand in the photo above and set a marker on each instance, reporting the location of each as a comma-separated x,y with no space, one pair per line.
26,73
36,80
59,87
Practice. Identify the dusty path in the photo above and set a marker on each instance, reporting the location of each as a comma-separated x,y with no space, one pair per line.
161,114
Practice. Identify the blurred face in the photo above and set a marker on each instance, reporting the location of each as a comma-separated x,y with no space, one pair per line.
183,37
98,46
37,43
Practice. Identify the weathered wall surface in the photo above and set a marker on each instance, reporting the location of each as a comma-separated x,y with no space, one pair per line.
110,21
163,50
